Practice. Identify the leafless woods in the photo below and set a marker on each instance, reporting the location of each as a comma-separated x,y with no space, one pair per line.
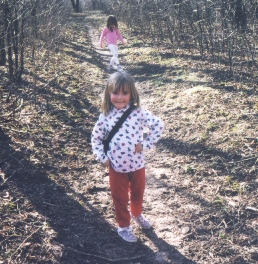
225,30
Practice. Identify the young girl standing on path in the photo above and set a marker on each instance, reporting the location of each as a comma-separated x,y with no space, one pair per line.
125,157
111,34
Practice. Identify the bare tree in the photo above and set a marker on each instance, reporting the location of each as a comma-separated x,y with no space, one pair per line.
2,36
76,5
13,30
25,27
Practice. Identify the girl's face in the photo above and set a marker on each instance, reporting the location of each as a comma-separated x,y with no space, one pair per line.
120,99
113,26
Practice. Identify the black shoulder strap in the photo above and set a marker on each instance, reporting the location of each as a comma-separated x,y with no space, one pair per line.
119,123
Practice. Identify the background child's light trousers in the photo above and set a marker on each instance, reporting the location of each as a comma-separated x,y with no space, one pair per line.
114,51
127,187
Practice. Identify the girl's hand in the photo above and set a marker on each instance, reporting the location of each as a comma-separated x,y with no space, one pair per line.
138,148
106,164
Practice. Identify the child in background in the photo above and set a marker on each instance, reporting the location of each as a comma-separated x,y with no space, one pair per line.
125,157
111,34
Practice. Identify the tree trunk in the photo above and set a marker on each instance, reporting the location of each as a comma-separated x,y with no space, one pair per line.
2,45
8,26
2,37
76,6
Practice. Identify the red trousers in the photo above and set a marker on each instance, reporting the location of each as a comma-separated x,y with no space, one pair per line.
125,188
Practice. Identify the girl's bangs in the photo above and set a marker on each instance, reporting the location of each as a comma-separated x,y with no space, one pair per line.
125,87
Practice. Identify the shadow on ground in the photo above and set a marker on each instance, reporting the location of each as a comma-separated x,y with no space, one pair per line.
82,235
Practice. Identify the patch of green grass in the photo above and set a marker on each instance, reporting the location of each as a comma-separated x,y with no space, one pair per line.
222,112
228,180
8,207
158,82
219,202
204,136
136,43
212,126
170,61
222,235
74,90
240,187
190,170
52,176
235,185
47,130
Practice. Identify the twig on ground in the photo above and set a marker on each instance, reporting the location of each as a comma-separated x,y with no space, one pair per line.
9,261
14,110
107,259
8,178
251,158
251,208
49,204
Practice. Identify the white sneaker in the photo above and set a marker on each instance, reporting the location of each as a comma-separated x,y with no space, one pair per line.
141,221
119,68
127,234
111,67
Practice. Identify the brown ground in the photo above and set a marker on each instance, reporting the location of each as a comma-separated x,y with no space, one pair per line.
201,195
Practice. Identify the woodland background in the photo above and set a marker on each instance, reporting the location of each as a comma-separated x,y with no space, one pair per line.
226,31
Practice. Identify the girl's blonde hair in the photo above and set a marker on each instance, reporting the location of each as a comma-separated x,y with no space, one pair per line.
117,81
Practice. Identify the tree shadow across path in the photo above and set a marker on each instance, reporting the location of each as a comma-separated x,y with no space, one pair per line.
167,253
60,225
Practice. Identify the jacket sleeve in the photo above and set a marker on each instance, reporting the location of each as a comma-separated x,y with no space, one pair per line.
98,134
102,37
119,36
155,126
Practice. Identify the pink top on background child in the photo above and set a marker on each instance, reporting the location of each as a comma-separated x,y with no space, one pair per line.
111,36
